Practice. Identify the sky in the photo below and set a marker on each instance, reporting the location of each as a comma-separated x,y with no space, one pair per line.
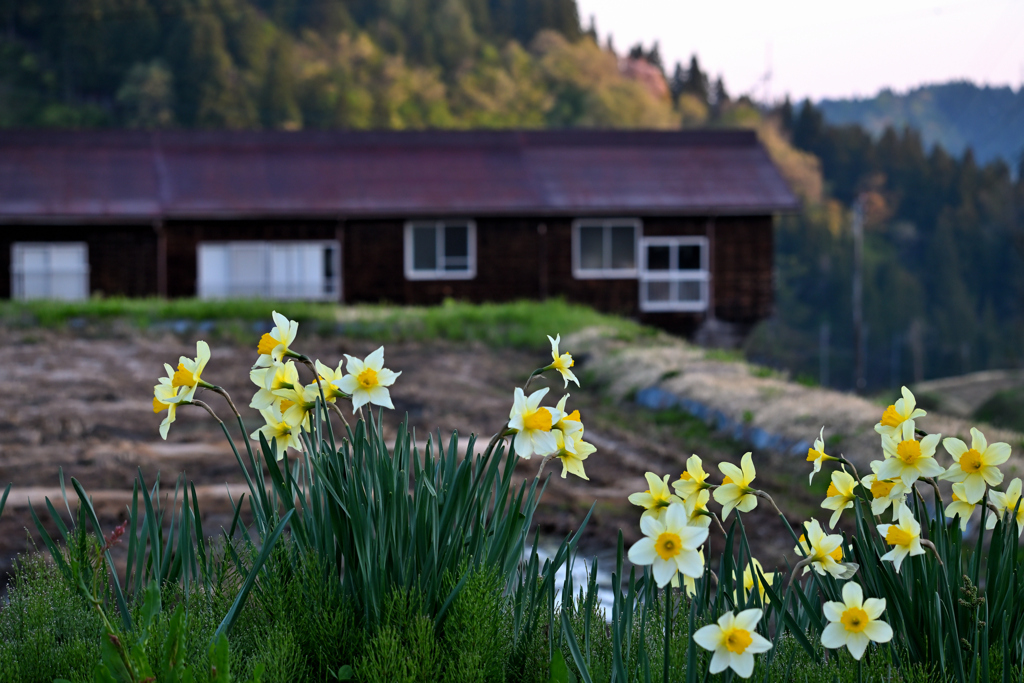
825,48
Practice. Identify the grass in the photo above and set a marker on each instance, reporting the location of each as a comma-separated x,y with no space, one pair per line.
519,324
1005,409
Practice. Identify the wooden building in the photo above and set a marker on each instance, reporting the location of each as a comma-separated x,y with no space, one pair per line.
670,227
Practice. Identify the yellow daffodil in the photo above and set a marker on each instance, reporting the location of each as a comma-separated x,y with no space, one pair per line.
168,397
817,455
826,552
296,405
749,578
533,424
562,362
977,466
840,495
694,479
895,415
285,431
885,492
326,376
854,622
572,459
276,344
669,546
689,583
735,491
961,505
734,641
1005,503
367,381
568,424
657,498
904,537
190,371
697,509
909,459
271,380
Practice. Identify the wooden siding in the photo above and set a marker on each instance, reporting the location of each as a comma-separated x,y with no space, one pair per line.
743,256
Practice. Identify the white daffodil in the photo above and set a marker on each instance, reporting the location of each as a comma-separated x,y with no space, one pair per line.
977,466
826,552
669,546
562,362
735,491
572,459
909,459
367,381
817,455
168,397
296,405
327,376
961,505
286,432
697,509
694,479
885,492
1006,503
190,371
734,641
854,622
657,498
276,344
271,380
749,578
895,415
904,537
840,495
533,424
568,424
689,583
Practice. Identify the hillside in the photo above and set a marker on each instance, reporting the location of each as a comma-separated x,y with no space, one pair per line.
956,116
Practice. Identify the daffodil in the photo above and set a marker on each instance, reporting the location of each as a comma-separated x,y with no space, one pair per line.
904,537
977,466
734,641
697,509
854,622
689,583
735,491
1006,503
840,495
572,459
276,344
657,498
367,381
817,455
532,424
669,546
271,380
297,404
568,424
961,505
562,362
284,431
750,577
694,479
327,376
190,371
826,552
895,415
909,459
885,492
168,397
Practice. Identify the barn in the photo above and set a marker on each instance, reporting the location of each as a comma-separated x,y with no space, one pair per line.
673,228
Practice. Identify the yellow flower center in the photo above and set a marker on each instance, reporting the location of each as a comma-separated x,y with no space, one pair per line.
836,554
897,536
727,480
890,418
267,344
158,406
574,416
813,455
685,476
286,404
909,451
832,491
970,462
367,378
882,489
668,545
539,419
855,619
737,640
183,378
956,498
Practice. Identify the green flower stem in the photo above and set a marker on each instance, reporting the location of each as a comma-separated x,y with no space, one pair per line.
938,496
538,371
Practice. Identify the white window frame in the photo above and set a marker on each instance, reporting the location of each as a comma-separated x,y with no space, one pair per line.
267,246
439,272
674,275
606,224
18,270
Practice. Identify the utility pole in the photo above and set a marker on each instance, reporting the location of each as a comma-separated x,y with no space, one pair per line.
859,379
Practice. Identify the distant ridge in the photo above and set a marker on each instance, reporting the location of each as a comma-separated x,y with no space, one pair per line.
955,115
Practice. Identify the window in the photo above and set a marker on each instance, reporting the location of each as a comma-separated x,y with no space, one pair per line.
674,275
49,270
605,248
440,250
269,270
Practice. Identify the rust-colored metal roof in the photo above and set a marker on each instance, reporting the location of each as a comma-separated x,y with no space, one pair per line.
130,175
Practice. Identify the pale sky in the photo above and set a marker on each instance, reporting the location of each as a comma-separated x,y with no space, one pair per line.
825,48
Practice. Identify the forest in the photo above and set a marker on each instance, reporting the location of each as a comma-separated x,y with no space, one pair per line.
944,244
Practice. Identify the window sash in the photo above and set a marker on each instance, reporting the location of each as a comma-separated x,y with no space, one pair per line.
452,256
50,270
669,286
619,253
286,270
